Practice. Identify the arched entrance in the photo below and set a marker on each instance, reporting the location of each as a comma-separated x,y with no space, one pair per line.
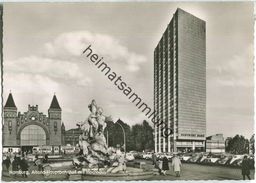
32,135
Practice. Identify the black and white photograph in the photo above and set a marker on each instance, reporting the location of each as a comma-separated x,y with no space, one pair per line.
127,91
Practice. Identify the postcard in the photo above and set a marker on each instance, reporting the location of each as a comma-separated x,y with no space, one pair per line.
127,91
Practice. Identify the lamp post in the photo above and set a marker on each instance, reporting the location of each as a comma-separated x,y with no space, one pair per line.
73,138
124,136
107,138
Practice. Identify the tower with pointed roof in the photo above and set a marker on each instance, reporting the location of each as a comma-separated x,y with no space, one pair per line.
54,115
10,123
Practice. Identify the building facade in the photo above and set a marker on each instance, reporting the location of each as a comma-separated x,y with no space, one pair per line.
215,144
72,136
180,85
32,128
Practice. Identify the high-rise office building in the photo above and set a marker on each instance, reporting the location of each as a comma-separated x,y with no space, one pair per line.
180,85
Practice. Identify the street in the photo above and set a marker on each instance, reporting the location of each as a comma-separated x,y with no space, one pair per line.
204,172
189,172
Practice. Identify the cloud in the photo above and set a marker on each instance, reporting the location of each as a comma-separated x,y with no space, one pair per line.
230,92
48,67
24,82
235,71
73,43
33,89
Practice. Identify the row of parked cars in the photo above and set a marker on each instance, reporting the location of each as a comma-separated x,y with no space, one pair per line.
223,159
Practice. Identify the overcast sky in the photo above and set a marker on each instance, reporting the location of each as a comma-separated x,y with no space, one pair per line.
43,45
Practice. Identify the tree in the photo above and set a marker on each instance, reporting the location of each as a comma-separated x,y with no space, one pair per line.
115,135
139,137
238,145
143,136
149,138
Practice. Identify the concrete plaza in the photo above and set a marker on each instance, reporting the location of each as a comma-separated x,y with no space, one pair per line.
189,172
204,172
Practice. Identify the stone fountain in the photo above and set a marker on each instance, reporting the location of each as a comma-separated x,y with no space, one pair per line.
94,151
95,158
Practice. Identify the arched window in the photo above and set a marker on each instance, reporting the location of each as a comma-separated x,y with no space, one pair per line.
33,135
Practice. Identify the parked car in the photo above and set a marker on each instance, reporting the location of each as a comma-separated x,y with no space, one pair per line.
235,159
251,161
134,153
129,157
238,163
186,157
203,157
147,155
138,155
31,157
159,156
169,156
206,161
214,160
211,159
195,158
224,160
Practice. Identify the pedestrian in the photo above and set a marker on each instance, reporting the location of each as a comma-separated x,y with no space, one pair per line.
24,167
154,159
165,165
159,165
11,159
36,156
7,163
176,164
15,166
18,157
45,160
39,164
246,168
3,160
23,153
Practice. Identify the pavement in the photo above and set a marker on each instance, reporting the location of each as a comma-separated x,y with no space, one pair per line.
188,172
203,172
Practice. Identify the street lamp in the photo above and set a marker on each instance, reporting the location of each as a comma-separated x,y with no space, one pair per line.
107,137
123,134
73,138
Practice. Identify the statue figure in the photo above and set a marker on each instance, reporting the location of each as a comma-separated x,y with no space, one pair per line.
92,119
99,137
92,140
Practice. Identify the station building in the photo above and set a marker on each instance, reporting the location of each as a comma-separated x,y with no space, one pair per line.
32,128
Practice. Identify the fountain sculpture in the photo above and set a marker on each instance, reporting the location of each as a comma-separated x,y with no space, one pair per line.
94,151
